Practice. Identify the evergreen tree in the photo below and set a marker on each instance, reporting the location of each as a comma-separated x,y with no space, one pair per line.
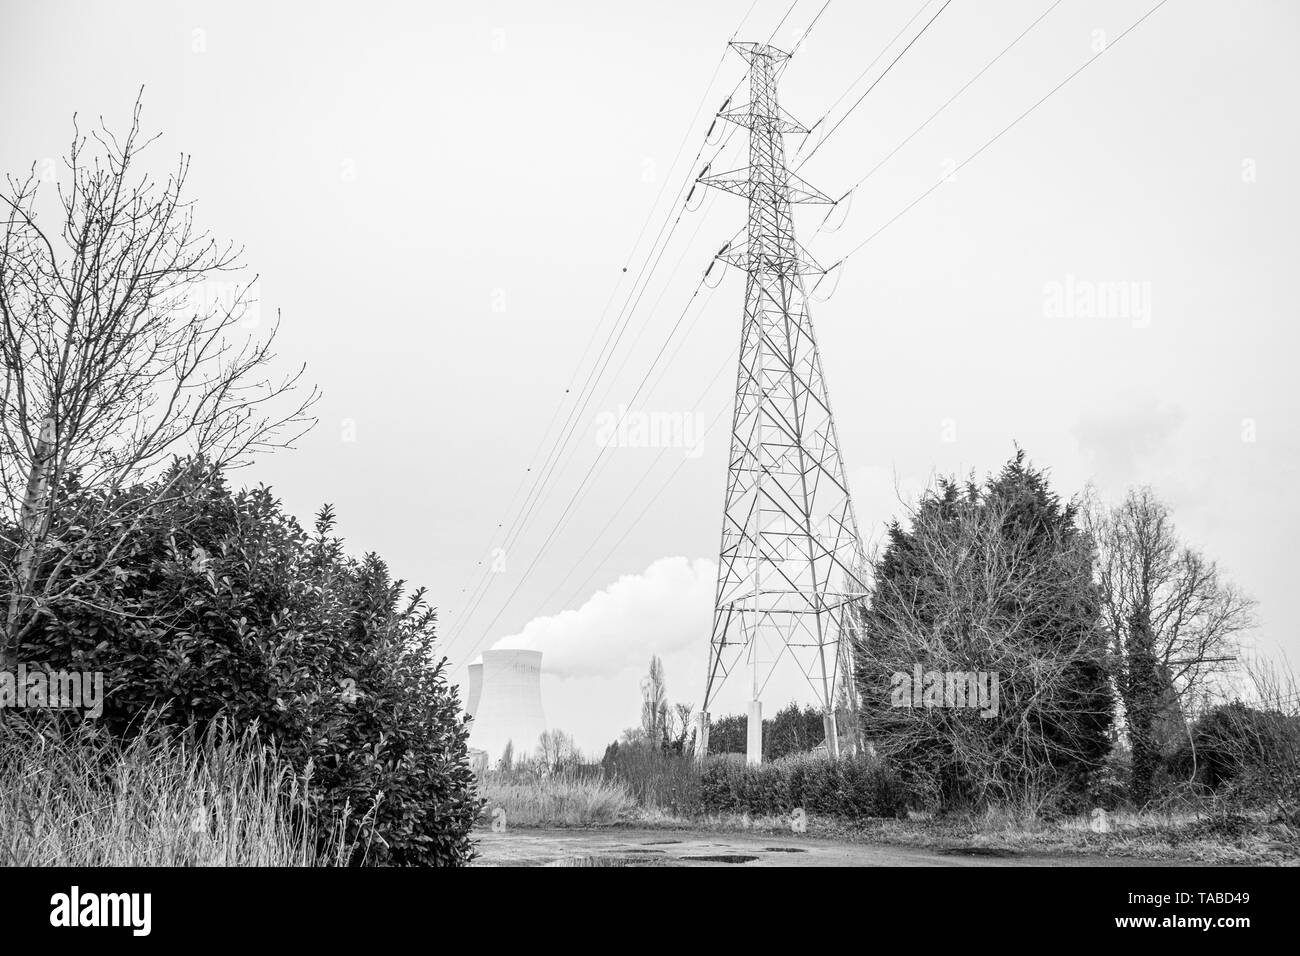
994,579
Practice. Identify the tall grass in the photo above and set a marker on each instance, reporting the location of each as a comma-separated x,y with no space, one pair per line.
569,797
665,781
74,798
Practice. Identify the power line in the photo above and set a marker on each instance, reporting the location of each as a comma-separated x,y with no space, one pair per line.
694,118
548,468
628,498
582,485
598,466
655,497
795,48
594,471
573,423
885,49
613,292
457,619
631,349
663,487
920,33
636,520
781,23
965,86
575,417
995,138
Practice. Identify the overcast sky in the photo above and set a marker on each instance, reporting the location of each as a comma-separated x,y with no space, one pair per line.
440,200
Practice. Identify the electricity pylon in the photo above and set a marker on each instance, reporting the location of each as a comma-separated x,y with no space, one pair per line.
790,567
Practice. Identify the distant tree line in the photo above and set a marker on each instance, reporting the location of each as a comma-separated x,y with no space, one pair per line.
791,730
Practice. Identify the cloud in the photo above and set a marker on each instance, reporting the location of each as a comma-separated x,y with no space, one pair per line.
1119,440
881,495
666,608
593,657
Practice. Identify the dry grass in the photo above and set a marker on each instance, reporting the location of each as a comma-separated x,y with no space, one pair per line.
565,799
667,782
1203,838
73,799
1172,835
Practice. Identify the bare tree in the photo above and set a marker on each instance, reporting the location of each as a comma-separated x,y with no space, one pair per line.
556,751
655,713
683,722
1172,618
126,340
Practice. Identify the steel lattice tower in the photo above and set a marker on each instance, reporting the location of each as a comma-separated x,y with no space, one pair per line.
791,558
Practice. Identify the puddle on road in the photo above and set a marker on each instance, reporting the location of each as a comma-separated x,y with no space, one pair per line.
729,858
977,851
637,861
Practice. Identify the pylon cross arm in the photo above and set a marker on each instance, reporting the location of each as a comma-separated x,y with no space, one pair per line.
740,182
796,263
749,118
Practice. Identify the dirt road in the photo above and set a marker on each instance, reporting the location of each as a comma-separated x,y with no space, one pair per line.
618,847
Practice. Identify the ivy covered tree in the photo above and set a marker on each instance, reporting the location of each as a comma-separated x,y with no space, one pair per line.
1174,620
988,590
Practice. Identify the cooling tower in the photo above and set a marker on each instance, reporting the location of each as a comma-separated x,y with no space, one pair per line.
475,689
508,704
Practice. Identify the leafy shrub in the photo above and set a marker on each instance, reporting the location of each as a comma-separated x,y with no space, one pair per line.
1249,755
220,607
849,787
1230,740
